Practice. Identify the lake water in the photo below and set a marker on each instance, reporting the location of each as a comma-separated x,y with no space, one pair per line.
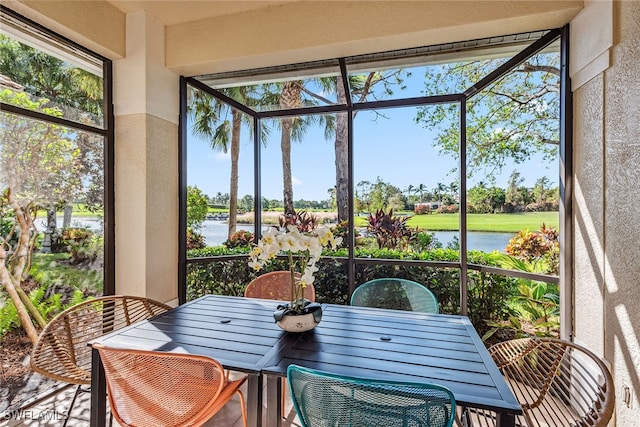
215,232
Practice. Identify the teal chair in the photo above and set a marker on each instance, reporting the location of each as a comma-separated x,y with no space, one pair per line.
324,399
393,293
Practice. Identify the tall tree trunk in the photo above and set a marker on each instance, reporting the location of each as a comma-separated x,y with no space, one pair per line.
7,283
235,155
290,97
20,262
342,157
285,146
20,258
66,220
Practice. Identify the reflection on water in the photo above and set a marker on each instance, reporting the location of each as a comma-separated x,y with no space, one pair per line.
215,232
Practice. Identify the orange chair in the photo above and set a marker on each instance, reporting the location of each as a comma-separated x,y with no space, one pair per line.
62,350
150,388
276,285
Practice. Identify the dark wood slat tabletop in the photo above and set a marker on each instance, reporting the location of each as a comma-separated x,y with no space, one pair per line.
400,346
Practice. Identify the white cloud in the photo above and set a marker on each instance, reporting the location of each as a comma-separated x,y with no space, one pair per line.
219,155
296,181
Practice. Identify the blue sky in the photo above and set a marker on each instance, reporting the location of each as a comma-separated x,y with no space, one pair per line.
393,148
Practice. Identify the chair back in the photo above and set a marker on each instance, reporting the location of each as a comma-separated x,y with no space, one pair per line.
276,285
393,293
62,350
558,383
321,398
149,388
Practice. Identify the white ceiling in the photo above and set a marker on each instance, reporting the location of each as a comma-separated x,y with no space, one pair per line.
171,12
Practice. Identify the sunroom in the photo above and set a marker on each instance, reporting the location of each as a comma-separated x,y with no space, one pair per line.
392,100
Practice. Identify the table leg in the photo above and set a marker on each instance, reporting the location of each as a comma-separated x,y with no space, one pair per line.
506,420
98,412
274,401
254,400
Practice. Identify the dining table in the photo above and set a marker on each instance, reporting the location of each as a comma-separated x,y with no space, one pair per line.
357,341
397,345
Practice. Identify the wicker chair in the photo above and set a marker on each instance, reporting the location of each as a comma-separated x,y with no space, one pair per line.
393,293
321,398
558,383
277,286
150,388
62,350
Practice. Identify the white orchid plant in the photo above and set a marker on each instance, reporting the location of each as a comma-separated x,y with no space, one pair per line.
303,249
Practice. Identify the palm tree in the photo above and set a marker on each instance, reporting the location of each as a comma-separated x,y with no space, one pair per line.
421,189
290,97
211,121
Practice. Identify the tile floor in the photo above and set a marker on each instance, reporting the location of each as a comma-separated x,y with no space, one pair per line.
50,412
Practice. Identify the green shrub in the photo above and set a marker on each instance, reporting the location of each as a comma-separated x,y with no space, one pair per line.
241,238
489,294
48,306
541,247
195,240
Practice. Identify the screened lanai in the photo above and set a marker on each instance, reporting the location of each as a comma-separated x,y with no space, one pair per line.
155,59
332,90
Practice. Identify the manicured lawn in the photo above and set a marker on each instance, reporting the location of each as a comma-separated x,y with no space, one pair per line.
508,223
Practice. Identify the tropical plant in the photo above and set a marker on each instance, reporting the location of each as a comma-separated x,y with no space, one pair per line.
194,239
390,231
541,248
538,303
47,306
239,239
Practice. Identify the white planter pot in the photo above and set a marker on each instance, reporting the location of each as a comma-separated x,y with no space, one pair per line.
297,322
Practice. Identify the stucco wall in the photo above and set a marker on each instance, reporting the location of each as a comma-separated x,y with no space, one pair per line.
607,228
147,206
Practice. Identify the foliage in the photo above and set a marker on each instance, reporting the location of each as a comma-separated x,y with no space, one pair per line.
448,209
540,247
48,306
378,195
423,241
512,119
56,271
197,207
341,230
489,294
390,231
304,221
195,240
422,209
483,199
72,89
537,302
241,238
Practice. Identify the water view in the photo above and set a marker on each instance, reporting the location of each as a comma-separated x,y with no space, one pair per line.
215,232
